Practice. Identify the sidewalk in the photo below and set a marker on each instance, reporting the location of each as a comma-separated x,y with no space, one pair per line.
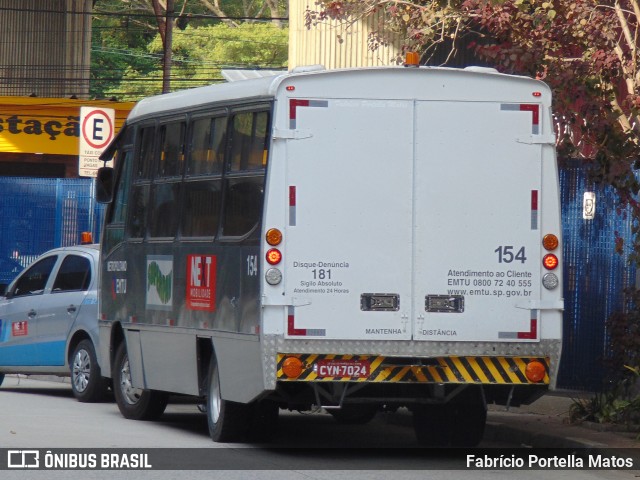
545,424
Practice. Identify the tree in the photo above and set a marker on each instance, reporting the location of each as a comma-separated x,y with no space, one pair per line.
118,42
586,50
199,54
129,38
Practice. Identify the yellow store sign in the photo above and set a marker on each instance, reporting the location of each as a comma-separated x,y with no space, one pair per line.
48,125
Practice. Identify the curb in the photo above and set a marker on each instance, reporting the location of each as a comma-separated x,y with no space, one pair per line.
496,431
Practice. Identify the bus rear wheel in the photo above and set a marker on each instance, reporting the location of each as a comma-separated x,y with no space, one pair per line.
459,423
135,403
228,421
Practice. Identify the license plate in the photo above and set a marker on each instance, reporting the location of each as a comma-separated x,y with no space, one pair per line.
343,368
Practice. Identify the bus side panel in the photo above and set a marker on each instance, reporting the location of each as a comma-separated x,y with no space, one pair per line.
134,354
173,360
241,371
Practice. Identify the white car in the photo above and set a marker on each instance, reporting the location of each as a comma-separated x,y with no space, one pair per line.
49,320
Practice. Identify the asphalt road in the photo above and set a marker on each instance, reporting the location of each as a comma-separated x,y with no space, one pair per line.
44,416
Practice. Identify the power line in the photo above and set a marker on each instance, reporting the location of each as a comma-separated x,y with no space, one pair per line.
151,15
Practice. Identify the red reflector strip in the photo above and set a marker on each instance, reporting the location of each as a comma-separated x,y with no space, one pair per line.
302,332
294,103
526,107
535,111
291,328
532,334
292,205
534,209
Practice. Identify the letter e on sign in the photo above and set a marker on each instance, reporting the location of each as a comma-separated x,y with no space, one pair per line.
97,129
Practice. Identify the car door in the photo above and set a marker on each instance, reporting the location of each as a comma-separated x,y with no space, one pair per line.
60,306
18,314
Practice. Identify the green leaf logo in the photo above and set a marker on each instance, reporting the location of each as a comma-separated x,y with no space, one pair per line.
163,283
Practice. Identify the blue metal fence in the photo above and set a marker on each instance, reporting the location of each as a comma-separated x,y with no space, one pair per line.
595,278
37,214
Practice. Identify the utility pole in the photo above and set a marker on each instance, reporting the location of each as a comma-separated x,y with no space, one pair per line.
168,40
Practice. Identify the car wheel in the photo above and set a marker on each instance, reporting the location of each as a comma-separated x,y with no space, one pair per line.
86,380
1,378
228,421
134,403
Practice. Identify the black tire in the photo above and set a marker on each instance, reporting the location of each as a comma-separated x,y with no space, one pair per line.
354,414
470,421
264,421
457,424
87,382
430,424
1,378
134,403
228,421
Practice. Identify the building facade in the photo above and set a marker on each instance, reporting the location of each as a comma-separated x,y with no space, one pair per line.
336,44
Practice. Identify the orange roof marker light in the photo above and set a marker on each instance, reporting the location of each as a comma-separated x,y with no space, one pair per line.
86,238
412,59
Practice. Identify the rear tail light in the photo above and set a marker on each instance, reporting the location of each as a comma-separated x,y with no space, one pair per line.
535,371
550,242
273,276
274,256
274,237
550,261
550,281
292,367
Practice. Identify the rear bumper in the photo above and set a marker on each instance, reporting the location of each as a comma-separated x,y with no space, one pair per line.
488,363
481,370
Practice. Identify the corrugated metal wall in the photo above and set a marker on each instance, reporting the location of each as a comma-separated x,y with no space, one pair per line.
332,44
594,278
45,47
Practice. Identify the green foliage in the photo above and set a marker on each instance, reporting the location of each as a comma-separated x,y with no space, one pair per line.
623,332
127,57
199,53
620,404
117,44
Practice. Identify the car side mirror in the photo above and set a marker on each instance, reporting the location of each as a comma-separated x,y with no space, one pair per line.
104,185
